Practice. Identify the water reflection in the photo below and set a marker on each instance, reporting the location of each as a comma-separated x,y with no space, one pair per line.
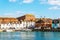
29,35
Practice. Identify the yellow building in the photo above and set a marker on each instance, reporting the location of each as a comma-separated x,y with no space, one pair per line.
27,17
27,20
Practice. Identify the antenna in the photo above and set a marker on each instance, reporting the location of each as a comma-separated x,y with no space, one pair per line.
44,16
41,16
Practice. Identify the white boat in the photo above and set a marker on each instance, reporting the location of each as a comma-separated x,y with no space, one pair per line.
9,30
26,30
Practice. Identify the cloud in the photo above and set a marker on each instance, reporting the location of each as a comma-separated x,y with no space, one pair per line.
19,12
54,2
7,15
28,1
14,13
12,0
51,2
43,1
22,1
54,8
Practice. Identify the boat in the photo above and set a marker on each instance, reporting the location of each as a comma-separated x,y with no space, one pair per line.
9,30
26,30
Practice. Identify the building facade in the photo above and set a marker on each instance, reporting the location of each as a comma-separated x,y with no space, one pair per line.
56,23
7,23
45,23
27,20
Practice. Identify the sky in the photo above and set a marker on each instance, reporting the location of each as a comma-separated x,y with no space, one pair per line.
39,8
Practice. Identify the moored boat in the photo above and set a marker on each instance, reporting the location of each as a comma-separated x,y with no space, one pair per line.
28,30
9,30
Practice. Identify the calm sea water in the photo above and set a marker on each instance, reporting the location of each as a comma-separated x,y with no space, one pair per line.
29,35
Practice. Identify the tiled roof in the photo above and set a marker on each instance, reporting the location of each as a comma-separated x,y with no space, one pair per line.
43,20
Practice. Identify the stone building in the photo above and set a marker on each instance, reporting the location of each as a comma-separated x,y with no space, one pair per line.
44,23
56,23
27,20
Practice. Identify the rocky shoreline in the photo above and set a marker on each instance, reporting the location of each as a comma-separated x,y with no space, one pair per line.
47,30
28,30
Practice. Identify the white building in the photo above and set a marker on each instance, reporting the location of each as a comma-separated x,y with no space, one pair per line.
18,25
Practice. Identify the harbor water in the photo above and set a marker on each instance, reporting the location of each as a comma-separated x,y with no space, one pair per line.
29,35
